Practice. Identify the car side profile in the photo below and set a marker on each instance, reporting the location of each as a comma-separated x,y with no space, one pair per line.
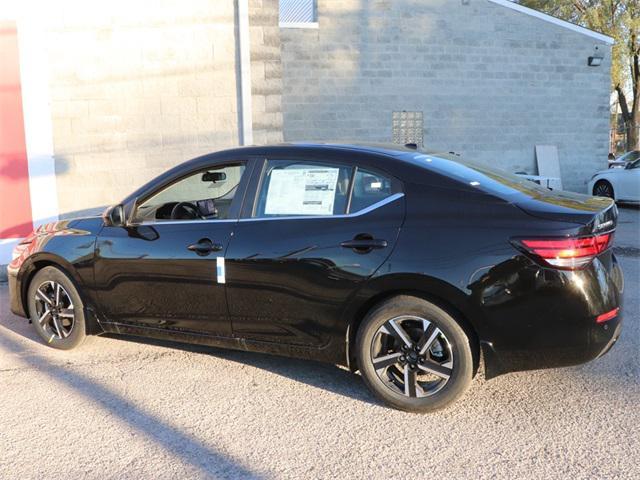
620,184
405,265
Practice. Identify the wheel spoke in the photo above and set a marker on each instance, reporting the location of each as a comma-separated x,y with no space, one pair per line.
59,328
410,380
44,297
44,316
386,360
58,288
66,313
393,328
427,339
436,369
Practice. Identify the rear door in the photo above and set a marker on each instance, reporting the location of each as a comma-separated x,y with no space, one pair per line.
313,234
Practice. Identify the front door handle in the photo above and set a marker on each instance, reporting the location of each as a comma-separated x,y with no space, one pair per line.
364,243
204,247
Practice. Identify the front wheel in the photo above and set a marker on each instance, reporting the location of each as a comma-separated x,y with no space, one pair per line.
413,355
56,309
603,189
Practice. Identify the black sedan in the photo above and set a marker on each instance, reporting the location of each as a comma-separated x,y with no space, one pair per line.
402,264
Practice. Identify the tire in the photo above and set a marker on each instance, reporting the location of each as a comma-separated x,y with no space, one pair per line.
438,347
602,188
64,325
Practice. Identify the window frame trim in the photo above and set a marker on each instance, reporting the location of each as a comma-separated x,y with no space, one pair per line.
259,171
359,213
311,25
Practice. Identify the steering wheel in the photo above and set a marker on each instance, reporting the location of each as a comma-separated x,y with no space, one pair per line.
184,211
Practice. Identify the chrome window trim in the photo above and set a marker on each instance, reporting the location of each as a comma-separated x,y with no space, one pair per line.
364,211
149,223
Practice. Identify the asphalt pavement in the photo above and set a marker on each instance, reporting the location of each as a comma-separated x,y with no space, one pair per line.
128,408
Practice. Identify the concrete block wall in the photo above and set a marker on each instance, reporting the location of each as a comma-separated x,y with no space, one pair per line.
138,88
492,82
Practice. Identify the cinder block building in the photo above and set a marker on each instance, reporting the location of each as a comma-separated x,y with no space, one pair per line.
488,79
97,98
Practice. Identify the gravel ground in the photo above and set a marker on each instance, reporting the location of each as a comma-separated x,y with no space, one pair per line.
122,407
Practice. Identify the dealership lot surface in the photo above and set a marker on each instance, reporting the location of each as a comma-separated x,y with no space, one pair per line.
130,408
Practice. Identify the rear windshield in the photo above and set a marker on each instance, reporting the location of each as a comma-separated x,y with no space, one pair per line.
491,180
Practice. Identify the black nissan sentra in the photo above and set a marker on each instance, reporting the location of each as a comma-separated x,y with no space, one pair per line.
402,264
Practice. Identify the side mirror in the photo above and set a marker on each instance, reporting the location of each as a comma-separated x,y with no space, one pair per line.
114,216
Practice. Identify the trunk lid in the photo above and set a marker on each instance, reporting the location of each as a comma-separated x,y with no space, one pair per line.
596,213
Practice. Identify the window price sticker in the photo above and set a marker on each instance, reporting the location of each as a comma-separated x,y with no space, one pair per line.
309,191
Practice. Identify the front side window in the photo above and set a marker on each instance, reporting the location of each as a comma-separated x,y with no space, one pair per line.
204,195
294,188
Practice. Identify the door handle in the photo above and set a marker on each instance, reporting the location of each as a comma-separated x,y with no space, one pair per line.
204,247
364,243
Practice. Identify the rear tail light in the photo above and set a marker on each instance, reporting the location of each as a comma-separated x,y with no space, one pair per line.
568,253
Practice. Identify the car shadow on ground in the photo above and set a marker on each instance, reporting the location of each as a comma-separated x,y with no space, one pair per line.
324,376
173,440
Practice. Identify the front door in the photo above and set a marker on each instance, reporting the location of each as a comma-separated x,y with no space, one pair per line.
164,268
317,231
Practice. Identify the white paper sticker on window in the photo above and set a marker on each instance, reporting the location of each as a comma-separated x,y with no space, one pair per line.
308,191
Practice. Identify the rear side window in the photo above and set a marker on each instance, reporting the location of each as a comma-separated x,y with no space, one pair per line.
294,188
370,188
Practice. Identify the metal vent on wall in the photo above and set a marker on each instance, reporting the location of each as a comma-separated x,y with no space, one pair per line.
408,127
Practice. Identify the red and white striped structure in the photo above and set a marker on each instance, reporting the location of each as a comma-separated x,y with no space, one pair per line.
28,194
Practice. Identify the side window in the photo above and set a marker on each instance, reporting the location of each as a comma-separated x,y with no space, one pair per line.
203,195
371,187
292,188
298,13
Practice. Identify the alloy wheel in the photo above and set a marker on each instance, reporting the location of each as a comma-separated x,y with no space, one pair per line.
54,309
603,190
412,356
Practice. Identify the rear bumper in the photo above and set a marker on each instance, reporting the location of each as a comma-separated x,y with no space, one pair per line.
603,338
554,322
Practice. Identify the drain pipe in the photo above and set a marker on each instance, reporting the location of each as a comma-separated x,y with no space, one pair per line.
245,73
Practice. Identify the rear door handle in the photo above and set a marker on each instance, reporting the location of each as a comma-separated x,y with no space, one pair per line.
204,247
364,245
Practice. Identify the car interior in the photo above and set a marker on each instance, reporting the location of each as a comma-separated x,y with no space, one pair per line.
204,195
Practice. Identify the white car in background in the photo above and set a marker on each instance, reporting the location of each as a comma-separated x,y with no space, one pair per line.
621,184
623,160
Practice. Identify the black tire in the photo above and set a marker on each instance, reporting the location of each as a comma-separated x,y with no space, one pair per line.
454,359
64,326
602,188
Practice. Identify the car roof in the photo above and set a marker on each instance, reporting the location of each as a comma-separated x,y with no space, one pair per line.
386,149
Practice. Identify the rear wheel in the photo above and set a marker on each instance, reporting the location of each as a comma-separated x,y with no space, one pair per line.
413,355
56,309
603,189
